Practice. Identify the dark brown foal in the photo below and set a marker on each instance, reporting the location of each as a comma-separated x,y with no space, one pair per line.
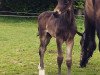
59,24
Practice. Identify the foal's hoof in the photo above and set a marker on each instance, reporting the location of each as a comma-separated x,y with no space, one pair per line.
41,71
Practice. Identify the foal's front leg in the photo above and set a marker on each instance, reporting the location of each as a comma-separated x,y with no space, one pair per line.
44,40
69,44
60,54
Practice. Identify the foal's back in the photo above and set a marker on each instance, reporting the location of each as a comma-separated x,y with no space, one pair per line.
57,25
43,18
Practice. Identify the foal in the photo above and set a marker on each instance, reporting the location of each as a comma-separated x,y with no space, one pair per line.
59,24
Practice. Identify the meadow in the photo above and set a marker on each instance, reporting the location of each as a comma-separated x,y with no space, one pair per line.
19,45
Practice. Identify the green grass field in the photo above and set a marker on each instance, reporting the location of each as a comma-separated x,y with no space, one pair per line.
19,50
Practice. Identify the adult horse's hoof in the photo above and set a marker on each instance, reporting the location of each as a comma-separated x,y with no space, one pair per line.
82,65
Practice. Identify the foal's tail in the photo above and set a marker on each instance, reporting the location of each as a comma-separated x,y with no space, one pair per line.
80,34
38,32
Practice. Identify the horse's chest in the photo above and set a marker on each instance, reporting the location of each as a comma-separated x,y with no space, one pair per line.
65,33
51,27
61,31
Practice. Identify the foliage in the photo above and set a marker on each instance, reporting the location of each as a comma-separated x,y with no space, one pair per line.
34,5
27,5
79,4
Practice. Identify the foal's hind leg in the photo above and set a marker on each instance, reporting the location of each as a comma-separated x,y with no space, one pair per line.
44,40
60,54
70,44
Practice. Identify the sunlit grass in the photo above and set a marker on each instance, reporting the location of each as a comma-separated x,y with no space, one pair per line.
19,50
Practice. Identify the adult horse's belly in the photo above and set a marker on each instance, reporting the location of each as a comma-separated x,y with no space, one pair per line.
89,9
97,9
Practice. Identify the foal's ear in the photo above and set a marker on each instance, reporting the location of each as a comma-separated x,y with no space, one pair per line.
69,4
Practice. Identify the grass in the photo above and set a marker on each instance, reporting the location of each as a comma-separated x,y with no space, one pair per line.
19,50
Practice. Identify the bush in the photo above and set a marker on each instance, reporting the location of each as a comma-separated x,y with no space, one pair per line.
79,4
34,5
27,5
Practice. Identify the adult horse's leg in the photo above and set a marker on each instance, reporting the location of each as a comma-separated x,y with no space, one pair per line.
44,40
88,41
92,47
60,54
91,42
98,34
69,44
98,31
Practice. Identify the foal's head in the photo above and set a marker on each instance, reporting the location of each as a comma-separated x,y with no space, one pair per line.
63,5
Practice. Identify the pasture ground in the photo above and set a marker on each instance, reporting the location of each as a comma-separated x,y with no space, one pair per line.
19,50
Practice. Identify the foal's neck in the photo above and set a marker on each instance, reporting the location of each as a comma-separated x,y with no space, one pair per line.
67,16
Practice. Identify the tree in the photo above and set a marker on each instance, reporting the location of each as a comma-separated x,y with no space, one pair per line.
79,6
34,5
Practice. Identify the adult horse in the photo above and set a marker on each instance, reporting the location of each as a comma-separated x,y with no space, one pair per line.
59,24
92,24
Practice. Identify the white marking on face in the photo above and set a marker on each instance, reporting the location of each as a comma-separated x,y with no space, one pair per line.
57,10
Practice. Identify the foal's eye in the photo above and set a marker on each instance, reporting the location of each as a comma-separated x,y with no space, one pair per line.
66,3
